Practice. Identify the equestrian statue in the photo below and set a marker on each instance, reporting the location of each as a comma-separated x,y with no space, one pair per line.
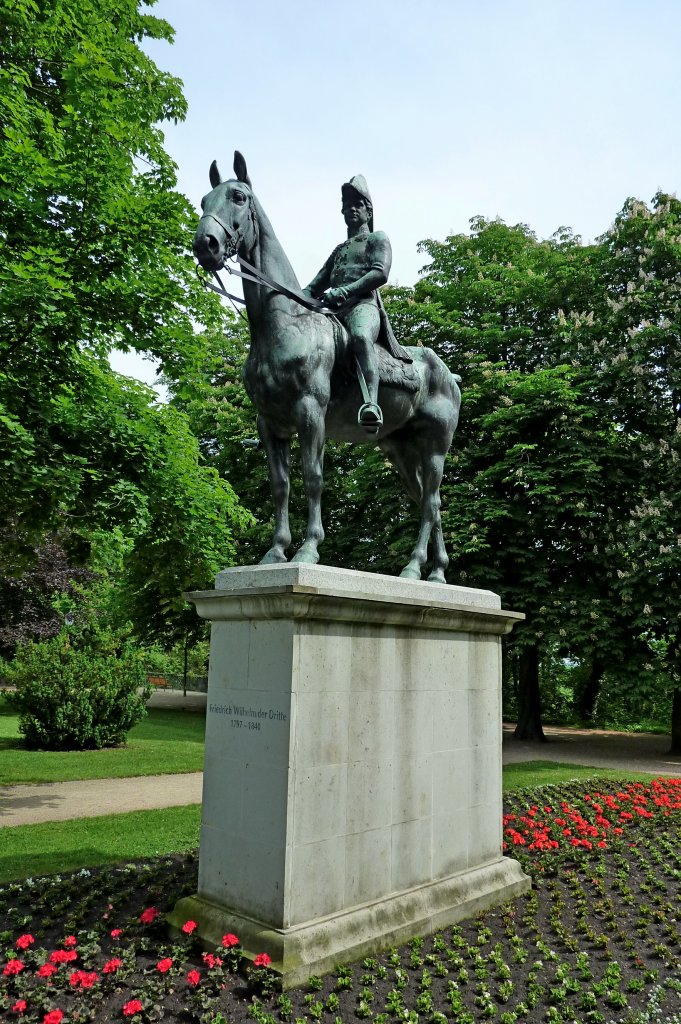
323,362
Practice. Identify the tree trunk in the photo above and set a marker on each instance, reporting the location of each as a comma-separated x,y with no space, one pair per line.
529,725
186,658
592,688
676,722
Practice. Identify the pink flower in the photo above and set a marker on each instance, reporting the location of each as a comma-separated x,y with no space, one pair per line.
111,966
164,965
230,940
132,1007
47,970
70,941
116,933
262,960
189,926
148,916
19,1006
53,1017
13,967
193,978
24,941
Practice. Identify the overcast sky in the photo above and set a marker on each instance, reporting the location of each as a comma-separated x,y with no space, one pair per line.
546,112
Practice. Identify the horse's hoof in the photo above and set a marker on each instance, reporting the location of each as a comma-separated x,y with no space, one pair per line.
273,557
306,555
410,574
437,576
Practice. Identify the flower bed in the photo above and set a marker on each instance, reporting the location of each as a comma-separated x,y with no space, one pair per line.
598,936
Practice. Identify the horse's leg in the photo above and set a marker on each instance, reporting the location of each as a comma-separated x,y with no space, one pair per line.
432,481
278,451
421,470
440,556
405,456
432,466
309,417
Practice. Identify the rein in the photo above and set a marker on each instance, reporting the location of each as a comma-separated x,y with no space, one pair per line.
258,277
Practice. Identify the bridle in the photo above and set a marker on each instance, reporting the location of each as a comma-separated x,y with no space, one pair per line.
250,273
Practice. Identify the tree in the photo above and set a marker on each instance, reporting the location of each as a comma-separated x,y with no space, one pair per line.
96,254
27,608
641,382
538,479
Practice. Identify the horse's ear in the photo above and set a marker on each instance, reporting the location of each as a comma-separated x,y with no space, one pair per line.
214,175
240,169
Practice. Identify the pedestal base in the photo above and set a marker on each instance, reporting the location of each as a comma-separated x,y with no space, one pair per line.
352,784
320,945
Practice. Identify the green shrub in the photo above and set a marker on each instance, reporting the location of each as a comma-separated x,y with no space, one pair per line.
78,698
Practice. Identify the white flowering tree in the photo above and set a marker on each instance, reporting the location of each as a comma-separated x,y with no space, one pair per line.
642,276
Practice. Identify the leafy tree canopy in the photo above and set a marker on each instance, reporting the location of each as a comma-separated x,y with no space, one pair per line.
95,253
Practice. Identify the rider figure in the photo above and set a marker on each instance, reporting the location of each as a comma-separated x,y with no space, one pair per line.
349,281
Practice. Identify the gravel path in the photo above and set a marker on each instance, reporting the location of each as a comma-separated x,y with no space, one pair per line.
597,748
60,801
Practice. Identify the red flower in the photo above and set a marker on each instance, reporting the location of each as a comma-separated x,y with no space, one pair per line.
83,979
210,960
63,956
148,916
230,940
116,933
164,965
111,966
193,978
13,967
189,926
19,1006
70,941
132,1007
53,1017
262,960
24,941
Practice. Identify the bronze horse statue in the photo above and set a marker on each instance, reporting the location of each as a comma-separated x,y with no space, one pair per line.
299,376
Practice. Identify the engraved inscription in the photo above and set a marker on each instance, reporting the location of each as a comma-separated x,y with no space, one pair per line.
243,716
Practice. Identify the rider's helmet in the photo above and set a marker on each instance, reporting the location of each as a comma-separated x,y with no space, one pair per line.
359,185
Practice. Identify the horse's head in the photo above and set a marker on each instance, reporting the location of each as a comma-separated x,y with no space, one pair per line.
228,222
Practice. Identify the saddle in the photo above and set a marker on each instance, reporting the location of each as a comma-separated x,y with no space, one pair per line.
393,371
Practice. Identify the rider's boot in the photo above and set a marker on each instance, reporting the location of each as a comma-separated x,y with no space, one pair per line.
370,415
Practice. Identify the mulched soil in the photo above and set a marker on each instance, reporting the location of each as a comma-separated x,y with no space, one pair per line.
599,933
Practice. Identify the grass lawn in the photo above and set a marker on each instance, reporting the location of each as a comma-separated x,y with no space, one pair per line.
59,846
165,743
544,773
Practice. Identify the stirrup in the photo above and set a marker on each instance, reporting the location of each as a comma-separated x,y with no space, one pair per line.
370,417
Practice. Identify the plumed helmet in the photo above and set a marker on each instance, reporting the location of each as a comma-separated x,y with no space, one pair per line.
359,185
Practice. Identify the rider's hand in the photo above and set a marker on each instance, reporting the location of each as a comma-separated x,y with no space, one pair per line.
335,296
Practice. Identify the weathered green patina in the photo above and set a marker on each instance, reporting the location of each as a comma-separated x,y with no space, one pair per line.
349,281
305,370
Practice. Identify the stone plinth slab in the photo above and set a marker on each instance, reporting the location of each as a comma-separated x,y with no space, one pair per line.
352,787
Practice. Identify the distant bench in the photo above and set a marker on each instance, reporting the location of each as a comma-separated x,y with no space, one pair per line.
159,681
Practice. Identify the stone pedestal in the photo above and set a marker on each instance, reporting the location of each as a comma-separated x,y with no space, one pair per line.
352,787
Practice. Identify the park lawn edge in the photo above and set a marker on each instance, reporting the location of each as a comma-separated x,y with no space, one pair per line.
166,742
532,774
62,846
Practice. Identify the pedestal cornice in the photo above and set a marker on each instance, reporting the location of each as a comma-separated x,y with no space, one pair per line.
301,602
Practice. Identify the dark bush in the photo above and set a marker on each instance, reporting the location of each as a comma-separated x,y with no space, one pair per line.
72,698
